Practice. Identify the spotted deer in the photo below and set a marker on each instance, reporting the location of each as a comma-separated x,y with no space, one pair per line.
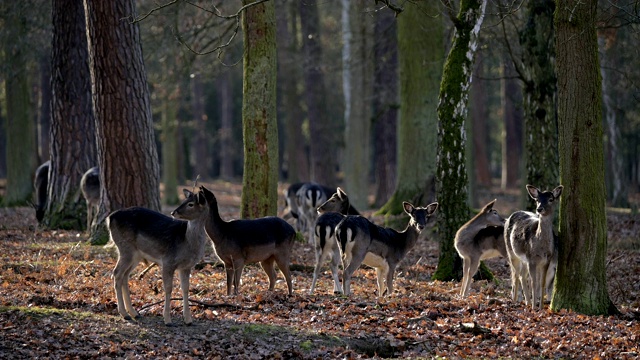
480,238
532,246
361,241
331,212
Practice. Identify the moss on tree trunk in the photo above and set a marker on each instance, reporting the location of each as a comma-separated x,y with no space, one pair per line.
451,173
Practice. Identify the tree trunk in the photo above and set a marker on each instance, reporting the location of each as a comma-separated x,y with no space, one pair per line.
73,135
451,172
385,105
295,154
479,98
357,115
170,136
539,98
259,123
420,53
617,187
581,283
227,158
127,155
21,130
322,131
512,115
44,120
199,140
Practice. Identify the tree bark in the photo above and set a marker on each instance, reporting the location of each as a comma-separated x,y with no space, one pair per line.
512,115
539,98
385,105
73,135
20,126
199,144
259,122
44,119
581,283
170,137
127,154
420,53
451,174
479,98
227,153
322,131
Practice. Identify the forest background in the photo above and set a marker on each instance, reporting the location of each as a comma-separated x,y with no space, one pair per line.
344,86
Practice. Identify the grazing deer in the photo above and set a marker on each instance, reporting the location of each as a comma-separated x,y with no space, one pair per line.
266,240
361,241
143,234
90,186
480,238
532,246
40,184
332,212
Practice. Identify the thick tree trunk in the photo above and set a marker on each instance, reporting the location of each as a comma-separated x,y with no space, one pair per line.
127,154
451,172
581,283
20,129
420,53
323,135
259,122
73,135
385,105
357,90
539,98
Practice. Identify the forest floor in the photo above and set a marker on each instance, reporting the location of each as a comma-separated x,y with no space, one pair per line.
57,301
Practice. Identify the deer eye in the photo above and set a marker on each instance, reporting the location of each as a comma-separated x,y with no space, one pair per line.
551,200
190,204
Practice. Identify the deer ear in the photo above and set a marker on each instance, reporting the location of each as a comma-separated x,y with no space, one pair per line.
408,208
558,191
186,193
533,191
489,206
431,208
341,193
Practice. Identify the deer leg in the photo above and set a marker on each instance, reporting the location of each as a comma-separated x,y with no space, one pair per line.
184,286
534,282
167,284
230,278
283,265
267,266
321,257
390,271
238,266
334,264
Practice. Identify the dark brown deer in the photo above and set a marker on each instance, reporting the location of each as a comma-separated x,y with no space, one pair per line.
266,240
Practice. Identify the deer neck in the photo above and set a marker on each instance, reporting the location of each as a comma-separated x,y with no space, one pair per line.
213,222
470,229
545,227
409,236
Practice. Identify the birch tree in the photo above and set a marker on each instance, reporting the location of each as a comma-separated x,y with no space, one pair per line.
451,173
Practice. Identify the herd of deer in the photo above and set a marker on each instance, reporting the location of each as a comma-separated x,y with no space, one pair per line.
340,234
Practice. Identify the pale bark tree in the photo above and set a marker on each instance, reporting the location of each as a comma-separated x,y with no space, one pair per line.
225,134
127,155
201,158
20,127
420,55
73,136
451,174
259,122
479,100
385,105
357,91
323,134
581,282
